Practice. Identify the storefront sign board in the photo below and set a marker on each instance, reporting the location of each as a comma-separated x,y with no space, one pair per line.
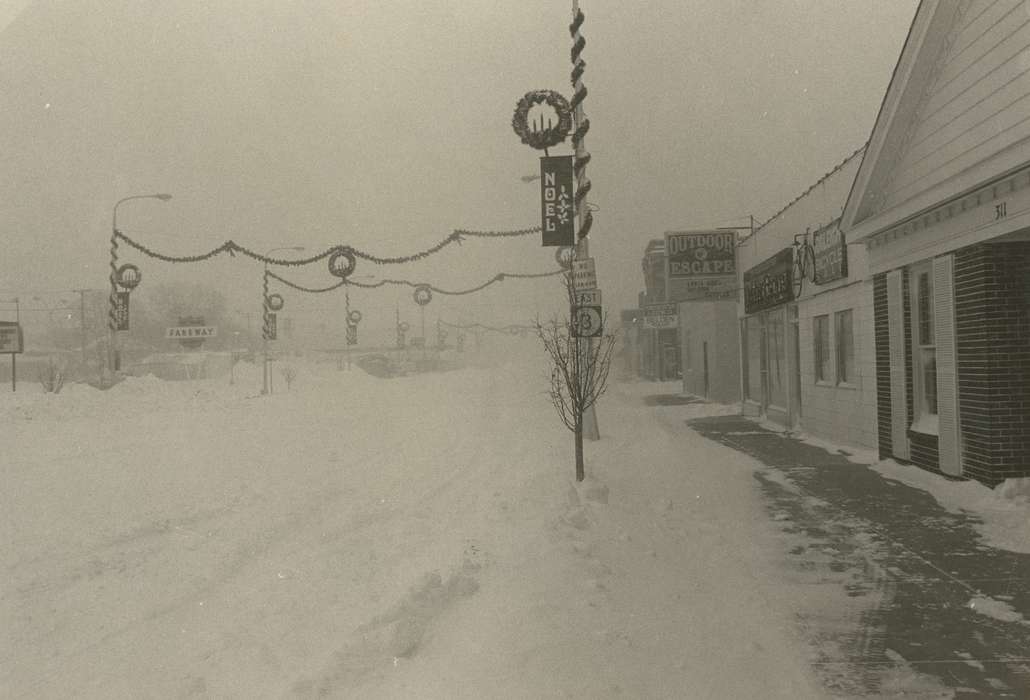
661,316
770,282
700,265
831,255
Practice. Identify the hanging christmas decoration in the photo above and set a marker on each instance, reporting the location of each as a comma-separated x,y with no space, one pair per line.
423,295
128,277
275,302
542,135
354,317
342,263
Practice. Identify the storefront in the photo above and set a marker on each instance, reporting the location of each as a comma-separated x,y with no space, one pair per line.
807,353
942,204
769,340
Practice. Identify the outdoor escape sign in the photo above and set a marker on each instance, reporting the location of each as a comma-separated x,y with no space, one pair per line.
556,201
661,316
700,265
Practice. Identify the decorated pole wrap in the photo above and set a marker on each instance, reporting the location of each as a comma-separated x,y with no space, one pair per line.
582,124
112,316
582,157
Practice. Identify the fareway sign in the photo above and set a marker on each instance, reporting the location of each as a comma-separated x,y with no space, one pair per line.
179,332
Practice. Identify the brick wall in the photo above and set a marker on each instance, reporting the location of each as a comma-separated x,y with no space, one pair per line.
883,366
922,447
992,314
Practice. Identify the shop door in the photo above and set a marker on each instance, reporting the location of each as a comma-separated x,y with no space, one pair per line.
705,356
795,386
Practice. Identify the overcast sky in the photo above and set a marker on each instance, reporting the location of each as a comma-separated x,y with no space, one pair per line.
386,124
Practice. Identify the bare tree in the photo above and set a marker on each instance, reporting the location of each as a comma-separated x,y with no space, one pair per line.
579,372
51,377
289,374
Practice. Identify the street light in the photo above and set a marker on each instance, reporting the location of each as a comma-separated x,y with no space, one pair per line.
264,317
113,359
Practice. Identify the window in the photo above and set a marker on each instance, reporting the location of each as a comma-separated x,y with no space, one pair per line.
924,351
844,335
821,339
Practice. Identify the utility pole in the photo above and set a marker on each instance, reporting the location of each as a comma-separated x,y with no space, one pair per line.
82,324
590,427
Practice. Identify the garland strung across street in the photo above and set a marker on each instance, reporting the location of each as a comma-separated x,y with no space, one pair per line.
231,247
499,277
511,329
583,125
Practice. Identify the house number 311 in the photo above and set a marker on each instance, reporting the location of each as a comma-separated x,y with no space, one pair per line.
1000,211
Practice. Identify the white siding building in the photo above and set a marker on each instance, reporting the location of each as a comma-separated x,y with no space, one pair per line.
807,350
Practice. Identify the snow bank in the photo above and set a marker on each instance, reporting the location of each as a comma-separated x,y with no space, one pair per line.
1004,512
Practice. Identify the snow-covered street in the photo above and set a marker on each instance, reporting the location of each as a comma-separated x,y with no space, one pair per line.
361,537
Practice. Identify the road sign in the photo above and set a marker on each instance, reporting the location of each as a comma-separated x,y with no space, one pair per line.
588,297
586,322
10,338
584,275
661,316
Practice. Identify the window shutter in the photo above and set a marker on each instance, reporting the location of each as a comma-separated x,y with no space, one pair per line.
949,443
896,342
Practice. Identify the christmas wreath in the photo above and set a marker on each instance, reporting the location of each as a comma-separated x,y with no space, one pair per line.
552,134
342,268
128,276
274,302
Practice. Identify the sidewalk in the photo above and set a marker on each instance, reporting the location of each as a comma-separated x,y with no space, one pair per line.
930,597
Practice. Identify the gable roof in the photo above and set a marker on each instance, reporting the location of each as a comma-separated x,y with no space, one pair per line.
953,117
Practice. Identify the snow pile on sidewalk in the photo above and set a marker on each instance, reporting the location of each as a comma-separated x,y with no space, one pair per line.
378,538
1004,511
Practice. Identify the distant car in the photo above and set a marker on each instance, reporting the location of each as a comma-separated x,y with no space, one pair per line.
378,365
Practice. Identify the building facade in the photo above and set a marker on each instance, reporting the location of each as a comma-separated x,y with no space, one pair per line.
659,343
709,355
806,336
942,203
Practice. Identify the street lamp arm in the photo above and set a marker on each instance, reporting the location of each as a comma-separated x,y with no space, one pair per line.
114,214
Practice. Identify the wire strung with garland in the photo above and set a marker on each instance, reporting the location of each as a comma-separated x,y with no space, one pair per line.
499,277
505,329
232,248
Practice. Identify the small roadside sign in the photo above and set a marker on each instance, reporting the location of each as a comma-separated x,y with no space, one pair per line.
586,322
588,297
180,332
661,316
584,274
121,311
10,338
